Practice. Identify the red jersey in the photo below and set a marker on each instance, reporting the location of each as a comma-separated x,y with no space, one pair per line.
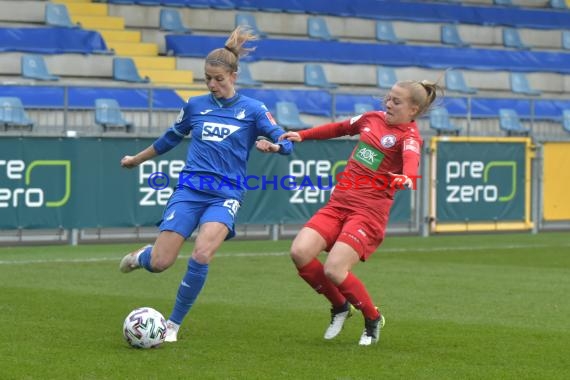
381,149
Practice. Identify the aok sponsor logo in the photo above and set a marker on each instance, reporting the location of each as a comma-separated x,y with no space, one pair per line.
470,181
19,187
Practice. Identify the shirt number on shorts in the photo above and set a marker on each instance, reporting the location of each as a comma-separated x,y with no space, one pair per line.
232,205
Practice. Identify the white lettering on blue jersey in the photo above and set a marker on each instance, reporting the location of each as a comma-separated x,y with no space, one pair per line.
217,132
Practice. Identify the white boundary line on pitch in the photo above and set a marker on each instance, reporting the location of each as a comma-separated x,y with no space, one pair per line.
266,254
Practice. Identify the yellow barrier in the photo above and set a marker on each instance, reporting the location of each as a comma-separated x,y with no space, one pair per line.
556,183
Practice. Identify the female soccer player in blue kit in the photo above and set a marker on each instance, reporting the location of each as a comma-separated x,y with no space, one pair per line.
224,127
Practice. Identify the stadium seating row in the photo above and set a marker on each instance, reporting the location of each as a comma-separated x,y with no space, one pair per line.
345,28
204,20
283,6
278,73
358,77
108,115
321,104
457,65
322,81
376,9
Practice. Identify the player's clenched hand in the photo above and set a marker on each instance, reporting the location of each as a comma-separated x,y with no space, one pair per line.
400,181
266,146
291,136
129,162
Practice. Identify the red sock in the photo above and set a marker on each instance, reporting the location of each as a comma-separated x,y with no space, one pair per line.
355,292
314,274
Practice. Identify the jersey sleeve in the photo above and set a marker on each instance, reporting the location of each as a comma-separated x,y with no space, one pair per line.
176,133
411,154
327,131
267,127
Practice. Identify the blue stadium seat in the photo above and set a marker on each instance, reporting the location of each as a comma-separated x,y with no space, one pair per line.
360,108
450,36
315,77
558,4
385,77
317,28
510,122
288,117
566,120
125,2
385,33
512,39
34,67
12,113
245,79
439,121
248,20
108,114
57,15
454,81
566,39
171,21
124,69
520,85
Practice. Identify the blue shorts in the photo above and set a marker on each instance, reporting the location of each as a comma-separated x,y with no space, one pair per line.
187,209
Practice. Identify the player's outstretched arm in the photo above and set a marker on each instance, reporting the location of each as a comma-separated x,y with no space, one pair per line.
291,136
134,161
267,146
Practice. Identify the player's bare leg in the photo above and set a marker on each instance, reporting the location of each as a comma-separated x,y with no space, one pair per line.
155,258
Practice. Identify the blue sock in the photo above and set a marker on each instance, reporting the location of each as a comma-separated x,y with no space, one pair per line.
144,258
190,287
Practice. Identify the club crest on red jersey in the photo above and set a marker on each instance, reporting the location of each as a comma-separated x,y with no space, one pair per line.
388,141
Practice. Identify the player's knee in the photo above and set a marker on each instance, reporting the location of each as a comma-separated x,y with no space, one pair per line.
333,272
300,254
202,256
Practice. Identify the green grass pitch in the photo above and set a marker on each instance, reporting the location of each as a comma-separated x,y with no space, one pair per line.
456,307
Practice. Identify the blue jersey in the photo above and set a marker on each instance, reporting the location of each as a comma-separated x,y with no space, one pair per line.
223,132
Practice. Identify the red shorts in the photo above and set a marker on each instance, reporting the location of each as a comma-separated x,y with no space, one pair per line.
362,229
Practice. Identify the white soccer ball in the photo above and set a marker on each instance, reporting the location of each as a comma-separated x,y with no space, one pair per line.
144,328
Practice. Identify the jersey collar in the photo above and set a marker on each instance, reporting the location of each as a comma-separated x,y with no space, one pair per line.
221,102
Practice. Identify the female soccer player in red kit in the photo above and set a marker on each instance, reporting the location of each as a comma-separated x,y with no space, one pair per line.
351,225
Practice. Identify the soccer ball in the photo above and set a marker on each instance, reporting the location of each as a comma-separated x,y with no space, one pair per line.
144,328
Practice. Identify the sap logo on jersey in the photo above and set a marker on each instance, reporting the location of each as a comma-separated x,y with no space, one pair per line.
217,132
